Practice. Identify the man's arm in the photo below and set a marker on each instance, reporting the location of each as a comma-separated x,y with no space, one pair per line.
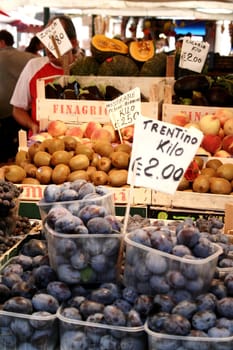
24,119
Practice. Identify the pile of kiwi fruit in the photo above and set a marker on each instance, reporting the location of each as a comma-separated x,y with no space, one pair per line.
62,159
215,176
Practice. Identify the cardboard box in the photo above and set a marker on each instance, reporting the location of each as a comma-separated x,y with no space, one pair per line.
74,112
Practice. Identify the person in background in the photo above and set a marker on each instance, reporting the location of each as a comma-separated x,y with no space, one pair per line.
35,46
25,93
12,62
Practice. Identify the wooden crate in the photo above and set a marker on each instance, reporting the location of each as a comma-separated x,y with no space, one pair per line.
78,111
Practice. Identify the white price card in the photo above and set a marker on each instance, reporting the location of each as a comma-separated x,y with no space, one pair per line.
55,33
193,54
161,153
125,109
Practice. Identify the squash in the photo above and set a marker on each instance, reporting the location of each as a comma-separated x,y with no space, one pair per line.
155,66
141,50
86,65
118,65
103,47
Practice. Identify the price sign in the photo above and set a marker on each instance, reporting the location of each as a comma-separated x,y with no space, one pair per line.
125,109
55,38
193,54
161,153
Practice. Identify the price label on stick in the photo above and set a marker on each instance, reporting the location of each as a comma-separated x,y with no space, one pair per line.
124,110
161,153
193,54
55,38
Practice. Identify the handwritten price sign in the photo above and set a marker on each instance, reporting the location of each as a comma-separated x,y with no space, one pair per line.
55,33
193,54
161,153
125,109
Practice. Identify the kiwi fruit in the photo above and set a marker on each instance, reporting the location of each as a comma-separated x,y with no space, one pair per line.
35,147
125,147
60,174
200,162
60,157
219,185
78,174
84,149
41,158
208,172
213,163
55,144
120,159
79,162
118,177
14,173
22,157
90,170
225,170
99,177
30,170
44,174
104,164
183,184
103,148
70,143
95,159
30,181
201,184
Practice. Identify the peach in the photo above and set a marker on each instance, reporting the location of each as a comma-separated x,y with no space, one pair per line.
57,128
127,133
101,134
222,154
90,127
180,119
211,143
223,114
227,144
209,124
112,131
75,131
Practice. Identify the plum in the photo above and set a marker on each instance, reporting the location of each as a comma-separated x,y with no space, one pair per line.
71,313
43,275
203,320
185,308
5,293
91,211
228,282
99,225
114,316
67,274
134,319
68,195
55,213
80,260
45,302
23,260
13,268
18,304
177,325
161,241
123,304
66,247
102,295
10,278
163,303
188,236
225,307
114,222
132,343
203,248
77,184
34,247
130,294
59,290
114,288
108,342
24,289
206,301
156,321
181,250
41,320
86,189
93,246
44,338
159,284
141,236
67,224
21,328
51,193
176,279
156,263
111,246
8,340
74,340
219,332
89,307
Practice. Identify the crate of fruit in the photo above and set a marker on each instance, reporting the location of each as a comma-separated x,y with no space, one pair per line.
60,97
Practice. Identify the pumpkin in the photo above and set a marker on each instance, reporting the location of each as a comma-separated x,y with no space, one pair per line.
86,65
103,47
141,50
118,65
155,66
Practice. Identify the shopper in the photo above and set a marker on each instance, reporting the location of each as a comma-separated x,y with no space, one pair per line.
25,94
35,46
12,61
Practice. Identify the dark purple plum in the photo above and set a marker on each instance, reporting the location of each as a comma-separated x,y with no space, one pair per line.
43,275
114,316
140,236
56,212
89,307
156,263
228,282
185,308
75,340
204,320
143,304
59,290
133,343
177,325
188,236
5,293
79,260
111,246
19,305
114,222
99,263
203,248
77,184
45,302
34,247
225,307
21,328
102,295
159,240
67,224
66,247
86,189
176,279
68,195
41,320
219,332
10,278
99,225
206,301
13,268
91,211
67,274
52,193
23,289
159,284
134,319
181,250
156,321
23,260
163,303
108,342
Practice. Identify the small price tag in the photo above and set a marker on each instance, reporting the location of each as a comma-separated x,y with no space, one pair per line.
55,38
125,109
193,54
161,153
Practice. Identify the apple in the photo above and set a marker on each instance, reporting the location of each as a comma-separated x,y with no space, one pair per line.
209,124
57,128
75,131
127,133
211,143
112,131
180,119
90,127
228,127
227,144
101,134
222,154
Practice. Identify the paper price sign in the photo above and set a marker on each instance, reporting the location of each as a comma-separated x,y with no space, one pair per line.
161,153
125,109
55,32
193,54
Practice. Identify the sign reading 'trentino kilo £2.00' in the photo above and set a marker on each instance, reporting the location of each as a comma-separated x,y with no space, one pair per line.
161,153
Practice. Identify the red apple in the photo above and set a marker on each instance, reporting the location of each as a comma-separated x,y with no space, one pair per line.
211,143
75,131
57,128
101,134
90,127
209,124
227,144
